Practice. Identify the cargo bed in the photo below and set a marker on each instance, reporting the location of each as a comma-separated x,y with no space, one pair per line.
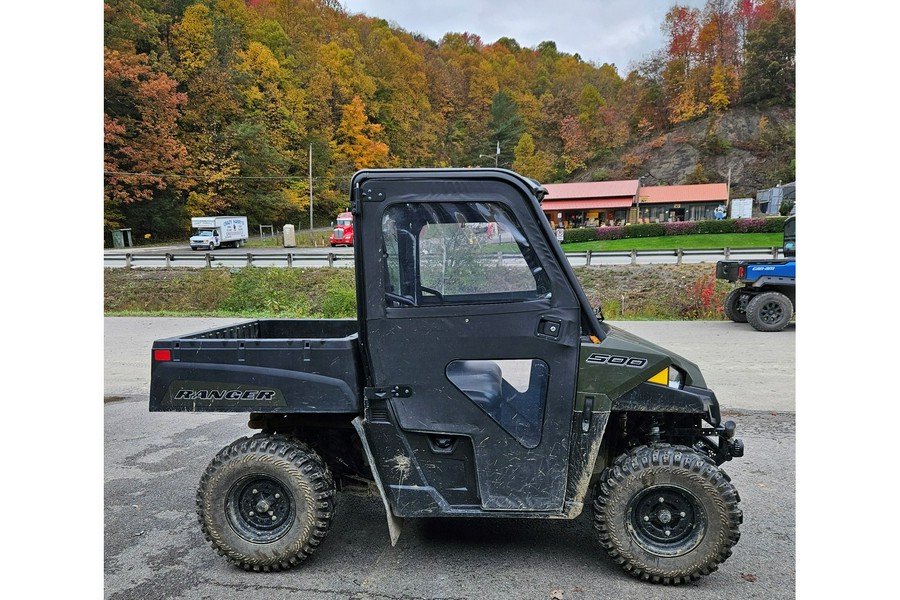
307,365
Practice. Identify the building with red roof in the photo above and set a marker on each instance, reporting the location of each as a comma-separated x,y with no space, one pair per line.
589,204
601,203
661,203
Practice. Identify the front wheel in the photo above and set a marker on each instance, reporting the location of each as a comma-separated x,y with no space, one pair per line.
666,514
770,311
266,502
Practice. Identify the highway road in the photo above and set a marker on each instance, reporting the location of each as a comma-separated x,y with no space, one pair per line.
153,547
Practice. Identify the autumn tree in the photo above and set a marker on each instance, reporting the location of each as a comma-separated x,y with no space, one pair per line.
770,69
192,40
400,102
357,139
132,26
531,162
142,153
576,144
720,88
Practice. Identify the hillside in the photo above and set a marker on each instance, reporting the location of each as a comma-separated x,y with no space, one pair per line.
259,107
757,144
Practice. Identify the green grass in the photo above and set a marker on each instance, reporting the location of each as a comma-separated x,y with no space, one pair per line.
672,242
319,239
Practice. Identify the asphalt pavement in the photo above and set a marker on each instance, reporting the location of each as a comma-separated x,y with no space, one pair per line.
153,547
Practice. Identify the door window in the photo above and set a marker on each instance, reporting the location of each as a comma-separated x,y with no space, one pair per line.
511,392
452,252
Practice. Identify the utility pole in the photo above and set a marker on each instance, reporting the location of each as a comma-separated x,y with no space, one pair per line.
310,195
728,196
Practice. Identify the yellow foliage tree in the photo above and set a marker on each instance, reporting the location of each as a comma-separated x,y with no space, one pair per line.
357,139
686,107
192,38
719,87
530,162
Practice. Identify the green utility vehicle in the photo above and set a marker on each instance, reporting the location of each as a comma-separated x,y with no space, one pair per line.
477,381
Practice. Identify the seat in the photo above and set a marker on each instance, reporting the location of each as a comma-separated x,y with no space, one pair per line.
480,380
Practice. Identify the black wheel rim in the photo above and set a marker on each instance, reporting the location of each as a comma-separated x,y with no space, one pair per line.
260,509
771,312
667,520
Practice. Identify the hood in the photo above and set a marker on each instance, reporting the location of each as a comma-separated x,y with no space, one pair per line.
620,337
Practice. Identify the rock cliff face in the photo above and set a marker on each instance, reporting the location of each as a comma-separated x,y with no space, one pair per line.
756,144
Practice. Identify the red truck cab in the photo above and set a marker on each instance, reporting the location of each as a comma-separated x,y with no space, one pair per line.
343,230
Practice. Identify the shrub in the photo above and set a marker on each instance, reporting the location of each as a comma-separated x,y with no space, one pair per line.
581,234
774,224
600,174
339,302
716,144
705,299
680,228
723,226
259,290
659,142
750,226
610,233
645,230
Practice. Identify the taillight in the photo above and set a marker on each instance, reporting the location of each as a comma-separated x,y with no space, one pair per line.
162,355
741,272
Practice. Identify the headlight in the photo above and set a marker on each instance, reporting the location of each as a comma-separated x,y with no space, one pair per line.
671,377
676,379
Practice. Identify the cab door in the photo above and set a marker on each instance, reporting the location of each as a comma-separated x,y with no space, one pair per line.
471,333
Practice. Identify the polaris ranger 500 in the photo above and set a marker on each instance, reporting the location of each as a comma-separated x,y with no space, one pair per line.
476,381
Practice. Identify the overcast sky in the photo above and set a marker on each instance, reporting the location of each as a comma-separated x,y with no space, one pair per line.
619,32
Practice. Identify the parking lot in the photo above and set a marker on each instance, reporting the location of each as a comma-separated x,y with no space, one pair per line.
153,547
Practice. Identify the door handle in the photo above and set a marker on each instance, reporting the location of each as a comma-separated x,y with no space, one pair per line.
549,328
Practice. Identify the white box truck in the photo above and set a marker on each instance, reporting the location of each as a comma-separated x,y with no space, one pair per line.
214,232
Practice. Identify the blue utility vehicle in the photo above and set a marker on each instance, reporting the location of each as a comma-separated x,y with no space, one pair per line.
767,295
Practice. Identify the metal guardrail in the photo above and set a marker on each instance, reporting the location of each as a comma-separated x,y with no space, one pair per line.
210,259
635,255
301,259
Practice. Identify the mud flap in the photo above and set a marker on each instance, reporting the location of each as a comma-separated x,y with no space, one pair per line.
395,524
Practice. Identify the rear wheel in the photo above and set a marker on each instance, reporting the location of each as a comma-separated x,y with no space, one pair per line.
266,502
736,305
770,311
666,514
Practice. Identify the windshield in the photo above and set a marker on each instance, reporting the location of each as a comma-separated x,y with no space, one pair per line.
205,234
345,222
790,228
